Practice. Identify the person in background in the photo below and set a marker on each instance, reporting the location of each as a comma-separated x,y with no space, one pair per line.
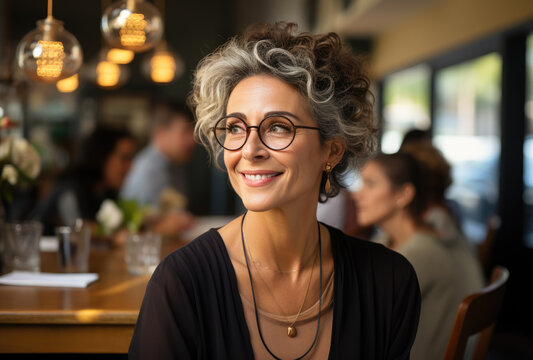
394,196
157,176
416,136
97,174
340,212
437,178
442,213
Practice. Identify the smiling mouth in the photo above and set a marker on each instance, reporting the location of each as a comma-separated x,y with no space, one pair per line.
260,176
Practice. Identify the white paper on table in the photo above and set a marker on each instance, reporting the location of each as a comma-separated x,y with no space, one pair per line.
26,278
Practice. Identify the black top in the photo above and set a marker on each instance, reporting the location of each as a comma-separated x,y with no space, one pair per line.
192,308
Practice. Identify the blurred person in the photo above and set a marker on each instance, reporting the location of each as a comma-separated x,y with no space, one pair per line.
416,136
290,112
340,212
437,177
97,174
157,177
394,196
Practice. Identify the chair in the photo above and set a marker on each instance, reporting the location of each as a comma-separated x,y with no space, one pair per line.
477,313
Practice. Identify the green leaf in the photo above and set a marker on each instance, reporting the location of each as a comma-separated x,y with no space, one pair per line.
133,214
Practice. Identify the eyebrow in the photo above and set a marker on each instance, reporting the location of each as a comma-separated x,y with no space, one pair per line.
270,113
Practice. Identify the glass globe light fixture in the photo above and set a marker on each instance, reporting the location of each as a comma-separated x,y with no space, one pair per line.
133,25
163,65
49,53
108,74
104,73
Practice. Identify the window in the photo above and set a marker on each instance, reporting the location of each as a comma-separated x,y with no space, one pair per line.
405,105
467,130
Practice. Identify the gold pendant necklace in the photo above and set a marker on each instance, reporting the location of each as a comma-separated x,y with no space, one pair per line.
291,329
253,293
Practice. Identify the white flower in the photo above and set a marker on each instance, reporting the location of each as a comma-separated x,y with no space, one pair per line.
110,216
10,174
26,158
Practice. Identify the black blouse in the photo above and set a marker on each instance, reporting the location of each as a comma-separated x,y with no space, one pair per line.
192,308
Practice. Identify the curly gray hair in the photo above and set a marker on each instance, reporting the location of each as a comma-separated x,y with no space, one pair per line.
329,77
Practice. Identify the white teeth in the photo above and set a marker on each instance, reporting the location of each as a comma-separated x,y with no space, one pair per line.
259,177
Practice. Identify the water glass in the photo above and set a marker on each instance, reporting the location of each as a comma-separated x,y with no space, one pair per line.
143,253
21,246
73,248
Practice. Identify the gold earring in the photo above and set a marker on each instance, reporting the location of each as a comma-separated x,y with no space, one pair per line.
328,173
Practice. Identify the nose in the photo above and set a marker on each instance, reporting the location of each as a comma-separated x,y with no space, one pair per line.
254,149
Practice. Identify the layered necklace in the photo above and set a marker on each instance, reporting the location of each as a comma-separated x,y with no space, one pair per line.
291,330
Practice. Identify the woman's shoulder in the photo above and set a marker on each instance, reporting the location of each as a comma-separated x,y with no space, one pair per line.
194,262
198,252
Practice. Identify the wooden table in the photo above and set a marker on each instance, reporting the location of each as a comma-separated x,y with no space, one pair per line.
96,319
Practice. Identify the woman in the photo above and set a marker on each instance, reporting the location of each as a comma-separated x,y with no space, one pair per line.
437,175
290,112
394,197
104,160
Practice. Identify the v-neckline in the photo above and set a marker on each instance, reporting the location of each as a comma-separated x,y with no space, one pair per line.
237,296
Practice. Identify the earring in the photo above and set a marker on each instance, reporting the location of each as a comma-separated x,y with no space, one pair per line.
328,173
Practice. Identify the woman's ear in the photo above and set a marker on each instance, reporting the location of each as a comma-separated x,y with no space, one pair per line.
405,195
336,148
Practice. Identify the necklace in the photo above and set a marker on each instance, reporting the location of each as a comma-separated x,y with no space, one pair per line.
253,293
257,264
291,329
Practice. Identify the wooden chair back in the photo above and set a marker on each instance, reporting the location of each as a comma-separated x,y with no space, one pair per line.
477,314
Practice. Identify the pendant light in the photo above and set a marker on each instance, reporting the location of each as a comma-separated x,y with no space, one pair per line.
120,56
132,24
163,65
49,53
69,84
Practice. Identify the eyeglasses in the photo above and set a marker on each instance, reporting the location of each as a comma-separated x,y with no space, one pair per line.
276,132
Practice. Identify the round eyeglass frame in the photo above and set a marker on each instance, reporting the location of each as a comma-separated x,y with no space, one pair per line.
249,127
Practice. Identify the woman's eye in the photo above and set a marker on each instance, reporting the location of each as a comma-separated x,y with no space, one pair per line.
279,128
234,129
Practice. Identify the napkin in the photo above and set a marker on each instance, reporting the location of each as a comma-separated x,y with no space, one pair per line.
25,278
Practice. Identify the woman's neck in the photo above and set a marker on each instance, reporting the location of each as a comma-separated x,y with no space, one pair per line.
281,240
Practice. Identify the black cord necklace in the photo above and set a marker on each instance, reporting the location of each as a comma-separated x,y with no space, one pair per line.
253,293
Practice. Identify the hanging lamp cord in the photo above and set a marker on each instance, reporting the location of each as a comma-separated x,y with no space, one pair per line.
49,14
253,293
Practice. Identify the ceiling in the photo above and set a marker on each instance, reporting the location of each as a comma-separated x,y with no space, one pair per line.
192,28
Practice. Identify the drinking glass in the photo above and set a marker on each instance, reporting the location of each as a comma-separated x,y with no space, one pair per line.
73,248
143,252
21,246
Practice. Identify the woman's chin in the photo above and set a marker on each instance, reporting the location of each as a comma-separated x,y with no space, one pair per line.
257,207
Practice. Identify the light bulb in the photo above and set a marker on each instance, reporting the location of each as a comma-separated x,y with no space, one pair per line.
163,65
132,24
107,74
69,84
49,53
120,56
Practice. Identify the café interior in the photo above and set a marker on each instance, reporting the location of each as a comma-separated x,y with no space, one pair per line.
460,70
